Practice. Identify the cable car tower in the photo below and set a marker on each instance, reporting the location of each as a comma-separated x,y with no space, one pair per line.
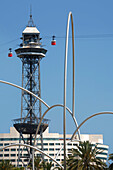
30,52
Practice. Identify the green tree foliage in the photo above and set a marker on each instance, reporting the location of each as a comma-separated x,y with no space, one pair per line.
37,163
84,158
46,165
40,165
6,165
49,165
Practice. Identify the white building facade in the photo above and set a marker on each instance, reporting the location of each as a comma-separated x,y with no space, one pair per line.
52,143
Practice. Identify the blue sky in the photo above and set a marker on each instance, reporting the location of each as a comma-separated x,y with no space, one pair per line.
94,61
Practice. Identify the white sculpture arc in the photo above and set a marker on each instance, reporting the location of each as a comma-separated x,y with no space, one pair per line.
47,112
96,114
35,148
65,79
14,85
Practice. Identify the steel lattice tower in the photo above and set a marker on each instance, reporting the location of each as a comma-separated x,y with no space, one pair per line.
30,52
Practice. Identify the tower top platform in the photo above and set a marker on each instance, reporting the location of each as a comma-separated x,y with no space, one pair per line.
30,30
31,46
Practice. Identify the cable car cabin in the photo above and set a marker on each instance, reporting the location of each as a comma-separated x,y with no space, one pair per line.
10,53
53,42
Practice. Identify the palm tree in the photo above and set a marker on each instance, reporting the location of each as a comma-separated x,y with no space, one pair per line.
49,165
111,158
46,165
37,162
84,158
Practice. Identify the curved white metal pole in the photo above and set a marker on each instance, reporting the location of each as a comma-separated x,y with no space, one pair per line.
47,112
14,85
35,148
96,114
19,87
62,147
65,80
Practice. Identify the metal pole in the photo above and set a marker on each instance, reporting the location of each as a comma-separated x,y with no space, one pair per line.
96,114
47,112
65,80
19,87
33,167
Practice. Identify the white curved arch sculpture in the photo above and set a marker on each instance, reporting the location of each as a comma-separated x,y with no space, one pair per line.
47,112
65,79
96,114
14,85
35,148
19,87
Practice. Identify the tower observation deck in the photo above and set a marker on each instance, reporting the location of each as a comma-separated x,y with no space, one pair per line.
30,52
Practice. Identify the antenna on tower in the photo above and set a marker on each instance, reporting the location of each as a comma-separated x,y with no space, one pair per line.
30,11
31,22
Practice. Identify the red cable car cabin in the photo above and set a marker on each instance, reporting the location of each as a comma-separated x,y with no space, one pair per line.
53,42
10,53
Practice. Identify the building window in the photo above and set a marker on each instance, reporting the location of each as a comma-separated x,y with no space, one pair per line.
69,144
51,149
51,144
9,139
45,144
51,154
1,155
12,160
6,149
25,149
13,149
1,144
26,154
6,144
74,144
19,155
6,155
51,139
13,154
57,149
26,160
19,149
45,149
39,155
38,144
57,143
102,148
